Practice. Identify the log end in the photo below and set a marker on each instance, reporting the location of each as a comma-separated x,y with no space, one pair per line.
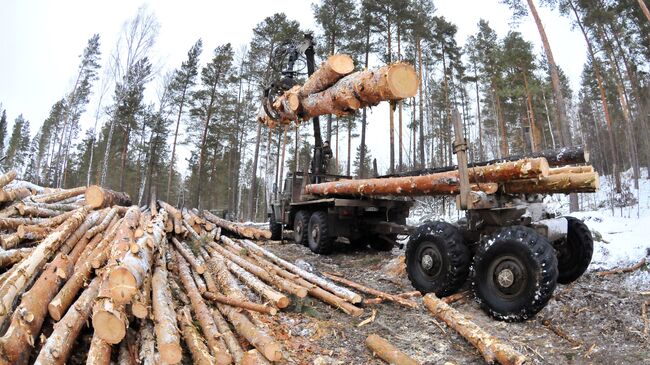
170,353
122,285
55,310
221,358
283,302
342,64
402,80
141,311
272,351
108,327
95,196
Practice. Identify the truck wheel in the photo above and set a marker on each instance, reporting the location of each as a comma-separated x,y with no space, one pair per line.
574,253
301,227
437,259
319,240
380,244
514,273
275,228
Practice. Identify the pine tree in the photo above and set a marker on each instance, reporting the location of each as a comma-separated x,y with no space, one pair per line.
3,130
18,146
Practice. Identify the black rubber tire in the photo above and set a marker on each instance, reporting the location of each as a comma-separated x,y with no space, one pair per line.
301,227
275,228
531,261
574,254
379,244
319,240
444,243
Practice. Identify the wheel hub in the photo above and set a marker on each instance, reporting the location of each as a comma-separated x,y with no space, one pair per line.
427,262
431,260
508,276
315,233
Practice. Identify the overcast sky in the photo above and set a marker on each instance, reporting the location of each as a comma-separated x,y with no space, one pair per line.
40,42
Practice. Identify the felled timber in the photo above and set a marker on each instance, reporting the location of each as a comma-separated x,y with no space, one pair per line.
329,72
377,293
388,352
59,195
491,348
237,228
8,195
442,183
8,177
587,182
98,197
219,298
193,339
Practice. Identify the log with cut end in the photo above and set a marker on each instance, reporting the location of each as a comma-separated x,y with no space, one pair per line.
9,241
14,223
344,293
32,264
7,177
34,211
109,319
10,257
253,357
387,352
8,195
571,170
587,182
220,298
125,279
330,71
141,301
32,232
98,197
182,248
203,315
167,335
99,352
435,184
371,291
56,349
175,215
237,228
193,339
491,348
59,195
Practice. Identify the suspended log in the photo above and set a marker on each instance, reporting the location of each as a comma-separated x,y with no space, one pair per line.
435,184
393,298
387,352
34,262
587,182
98,197
99,352
14,223
60,195
58,306
7,177
219,298
10,257
237,228
125,279
491,348
56,349
203,315
196,264
329,72
266,276
8,195
195,342
558,157
325,284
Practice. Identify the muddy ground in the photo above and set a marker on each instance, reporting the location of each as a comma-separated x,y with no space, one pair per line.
596,320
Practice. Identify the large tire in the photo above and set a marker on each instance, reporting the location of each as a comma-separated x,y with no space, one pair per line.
319,240
301,227
574,254
275,228
514,273
437,260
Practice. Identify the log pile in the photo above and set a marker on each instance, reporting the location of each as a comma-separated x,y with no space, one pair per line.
523,176
153,285
335,89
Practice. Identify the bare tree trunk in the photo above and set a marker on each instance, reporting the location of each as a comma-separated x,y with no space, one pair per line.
253,192
418,44
171,162
645,10
535,135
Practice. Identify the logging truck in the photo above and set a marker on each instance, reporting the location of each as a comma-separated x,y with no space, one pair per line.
511,248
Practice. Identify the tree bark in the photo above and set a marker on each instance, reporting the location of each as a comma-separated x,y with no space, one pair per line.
387,352
237,228
98,197
219,298
333,69
195,342
167,334
587,182
9,176
8,195
99,352
60,195
490,347
645,10
380,294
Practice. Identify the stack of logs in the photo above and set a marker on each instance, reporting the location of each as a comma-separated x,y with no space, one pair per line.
141,281
85,255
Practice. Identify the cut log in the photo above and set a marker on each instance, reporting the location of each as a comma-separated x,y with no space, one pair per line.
195,342
560,183
435,184
125,279
98,197
10,257
234,347
14,223
106,220
491,348
623,270
237,228
267,276
109,318
8,195
330,71
56,349
167,335
195,262
57,220
362,288
387,352
253,357
219,298
34,211
198,280
175,216
202,312
53,206
27,268
325,284
7,177
571,170
147,343
60,195
99,352
32,232
142,300
9,241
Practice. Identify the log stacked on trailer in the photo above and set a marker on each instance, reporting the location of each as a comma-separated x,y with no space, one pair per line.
162,272
334,89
